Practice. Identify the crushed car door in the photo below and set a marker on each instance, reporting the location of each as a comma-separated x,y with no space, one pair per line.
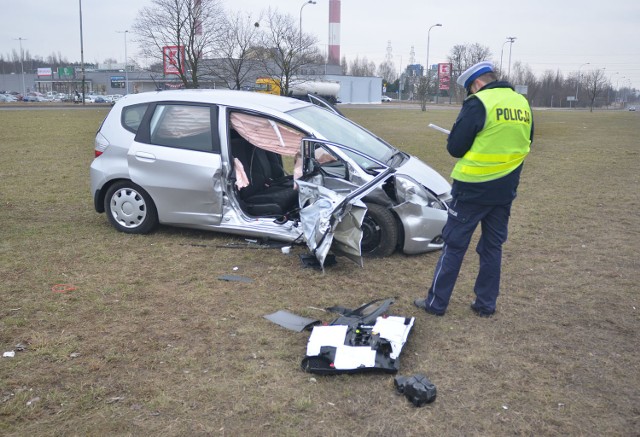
332,218
176,158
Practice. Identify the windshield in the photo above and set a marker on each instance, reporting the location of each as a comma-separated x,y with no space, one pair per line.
340,130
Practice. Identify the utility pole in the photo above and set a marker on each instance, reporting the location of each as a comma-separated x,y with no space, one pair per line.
24,88
126,69
81,51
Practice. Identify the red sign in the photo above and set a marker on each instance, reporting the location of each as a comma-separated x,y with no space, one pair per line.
444,76
173,59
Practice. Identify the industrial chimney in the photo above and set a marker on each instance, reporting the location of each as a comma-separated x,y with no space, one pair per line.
334,32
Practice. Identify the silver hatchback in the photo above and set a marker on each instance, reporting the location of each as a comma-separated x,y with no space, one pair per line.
263,166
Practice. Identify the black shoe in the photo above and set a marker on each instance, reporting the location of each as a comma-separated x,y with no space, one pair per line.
422,304
481,312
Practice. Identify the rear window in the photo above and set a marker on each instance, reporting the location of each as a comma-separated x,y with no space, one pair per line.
182,126
132,116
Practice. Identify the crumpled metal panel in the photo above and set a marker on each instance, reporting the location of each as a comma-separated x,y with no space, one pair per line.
322,224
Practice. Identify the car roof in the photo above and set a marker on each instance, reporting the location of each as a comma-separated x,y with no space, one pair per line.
233,98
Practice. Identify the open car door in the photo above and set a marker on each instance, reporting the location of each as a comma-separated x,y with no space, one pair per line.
331,212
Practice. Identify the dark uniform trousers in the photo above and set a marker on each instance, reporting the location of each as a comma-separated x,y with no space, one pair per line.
462,221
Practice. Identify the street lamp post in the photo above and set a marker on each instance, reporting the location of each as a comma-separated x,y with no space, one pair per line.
428,43
309,2
578,82
501,53
24,88
511,39
81,51
126,69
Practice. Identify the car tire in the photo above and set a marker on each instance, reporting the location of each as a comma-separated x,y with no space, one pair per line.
379,232
130,209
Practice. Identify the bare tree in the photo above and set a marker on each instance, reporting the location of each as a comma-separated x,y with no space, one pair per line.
286,50
422,92
362,67
594,83
192,25
236,48
463,56
344,66
387,71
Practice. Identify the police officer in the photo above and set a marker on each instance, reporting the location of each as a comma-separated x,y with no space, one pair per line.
491,136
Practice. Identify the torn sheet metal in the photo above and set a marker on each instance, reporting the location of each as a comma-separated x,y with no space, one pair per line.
358,341
292,321
331,218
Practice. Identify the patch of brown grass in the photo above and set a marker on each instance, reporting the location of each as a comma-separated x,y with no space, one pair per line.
151,342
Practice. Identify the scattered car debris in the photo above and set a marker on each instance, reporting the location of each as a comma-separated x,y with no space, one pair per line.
32,401
417,388
234,278
63,288
311,261
292,321
360,340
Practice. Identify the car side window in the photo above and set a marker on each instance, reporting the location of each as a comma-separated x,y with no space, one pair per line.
132,117
182,126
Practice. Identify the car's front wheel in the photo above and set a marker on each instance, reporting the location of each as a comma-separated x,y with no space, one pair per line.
379,231
130,209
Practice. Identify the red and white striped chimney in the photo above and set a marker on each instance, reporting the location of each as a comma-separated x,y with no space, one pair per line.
334,32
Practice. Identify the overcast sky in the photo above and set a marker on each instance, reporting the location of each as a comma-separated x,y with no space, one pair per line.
551,34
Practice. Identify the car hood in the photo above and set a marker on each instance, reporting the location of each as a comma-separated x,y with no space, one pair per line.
425,175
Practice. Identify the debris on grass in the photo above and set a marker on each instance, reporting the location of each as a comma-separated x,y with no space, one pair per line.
292,321
417,389
32,401
63,288
311,261
234,278
9,354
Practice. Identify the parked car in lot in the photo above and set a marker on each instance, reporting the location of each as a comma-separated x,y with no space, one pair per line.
632,108
8,98
386,99
33,97
213,159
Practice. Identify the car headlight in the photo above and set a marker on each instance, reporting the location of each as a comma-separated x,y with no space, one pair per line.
408,190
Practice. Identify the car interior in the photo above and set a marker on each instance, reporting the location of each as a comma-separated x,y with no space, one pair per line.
270,191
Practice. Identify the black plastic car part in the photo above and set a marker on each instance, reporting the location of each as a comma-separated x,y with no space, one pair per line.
417,388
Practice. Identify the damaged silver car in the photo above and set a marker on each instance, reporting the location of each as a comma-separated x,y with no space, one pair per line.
263,166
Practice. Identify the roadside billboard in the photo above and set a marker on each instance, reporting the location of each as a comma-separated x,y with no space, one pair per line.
173,59
444,76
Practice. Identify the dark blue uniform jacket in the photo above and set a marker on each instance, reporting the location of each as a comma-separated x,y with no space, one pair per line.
470,121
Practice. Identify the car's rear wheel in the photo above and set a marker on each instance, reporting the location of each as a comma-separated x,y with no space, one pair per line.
379,232
130,209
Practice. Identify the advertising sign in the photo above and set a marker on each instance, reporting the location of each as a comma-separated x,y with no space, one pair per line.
44,72
67,72
117,82
173,59
444,76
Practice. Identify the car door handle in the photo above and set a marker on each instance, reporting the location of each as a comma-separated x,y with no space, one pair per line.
145,156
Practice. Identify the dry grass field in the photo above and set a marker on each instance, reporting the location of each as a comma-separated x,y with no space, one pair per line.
150,342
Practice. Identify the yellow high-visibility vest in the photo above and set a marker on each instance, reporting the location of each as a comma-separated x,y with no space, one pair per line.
501,146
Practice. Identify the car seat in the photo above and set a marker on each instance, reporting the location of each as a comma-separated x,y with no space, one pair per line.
270,191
